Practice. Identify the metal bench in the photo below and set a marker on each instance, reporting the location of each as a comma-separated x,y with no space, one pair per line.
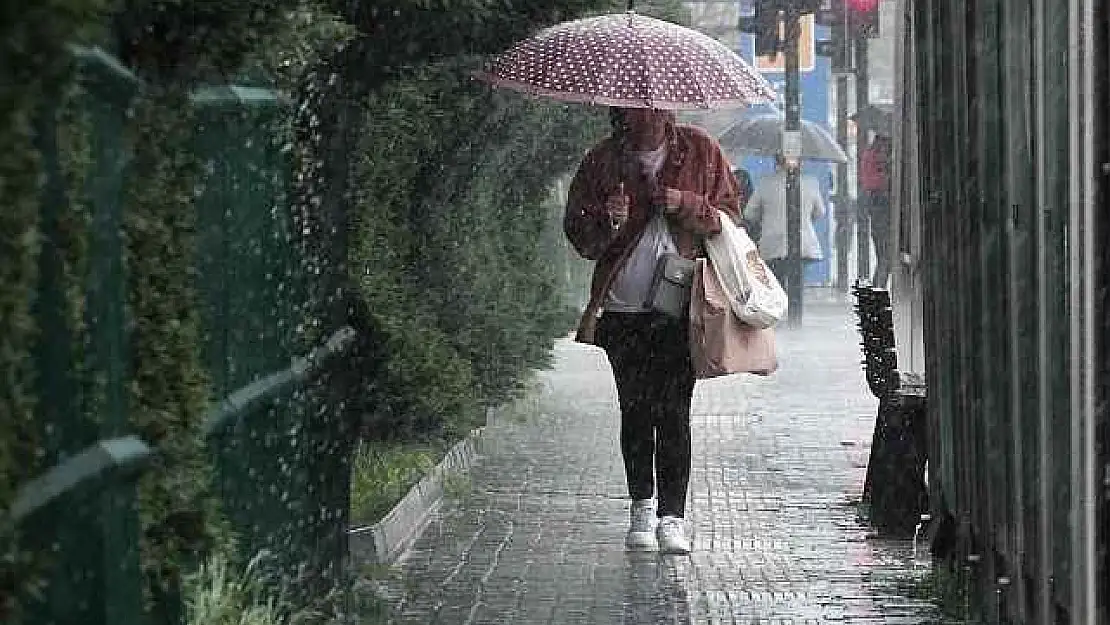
895,488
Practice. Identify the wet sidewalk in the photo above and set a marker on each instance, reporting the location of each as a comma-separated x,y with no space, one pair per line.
536,536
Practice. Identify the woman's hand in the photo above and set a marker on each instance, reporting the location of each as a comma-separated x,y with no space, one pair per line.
689,211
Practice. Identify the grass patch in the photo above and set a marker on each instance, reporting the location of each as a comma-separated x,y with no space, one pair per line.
384,472
219,593
358,602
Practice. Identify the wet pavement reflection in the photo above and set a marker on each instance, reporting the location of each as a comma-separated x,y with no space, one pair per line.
537,537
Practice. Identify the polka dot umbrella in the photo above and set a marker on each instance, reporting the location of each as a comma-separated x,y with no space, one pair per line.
629,60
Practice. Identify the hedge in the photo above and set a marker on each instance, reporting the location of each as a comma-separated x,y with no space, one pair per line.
448,203
449,207
168,393
452,251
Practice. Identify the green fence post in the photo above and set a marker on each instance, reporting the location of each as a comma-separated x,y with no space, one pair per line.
78,489
234,419
245,235
249,279
93,573
110,92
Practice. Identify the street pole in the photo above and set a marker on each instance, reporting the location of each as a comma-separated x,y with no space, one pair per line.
791,148
843,215
863,218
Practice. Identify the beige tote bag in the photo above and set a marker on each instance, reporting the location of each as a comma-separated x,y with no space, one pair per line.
721,344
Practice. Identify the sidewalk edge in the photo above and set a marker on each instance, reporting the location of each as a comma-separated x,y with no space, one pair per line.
383,542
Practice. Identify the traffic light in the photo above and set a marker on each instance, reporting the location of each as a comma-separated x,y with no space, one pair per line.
765,26
837,47
830,13
807,6
838,51
863,18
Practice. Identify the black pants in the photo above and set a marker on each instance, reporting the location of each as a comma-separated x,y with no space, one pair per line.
878,211
650,357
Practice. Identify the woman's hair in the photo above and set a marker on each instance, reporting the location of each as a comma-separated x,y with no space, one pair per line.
616,120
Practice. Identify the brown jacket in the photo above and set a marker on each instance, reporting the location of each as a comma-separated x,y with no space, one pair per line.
695,165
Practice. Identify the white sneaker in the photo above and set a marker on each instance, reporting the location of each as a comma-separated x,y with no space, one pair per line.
671,534
641,525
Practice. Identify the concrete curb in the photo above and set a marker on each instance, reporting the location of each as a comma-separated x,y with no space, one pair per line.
384,541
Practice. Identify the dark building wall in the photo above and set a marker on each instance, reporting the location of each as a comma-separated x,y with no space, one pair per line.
1009,101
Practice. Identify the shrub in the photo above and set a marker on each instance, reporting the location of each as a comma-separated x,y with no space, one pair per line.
35,72
452,251
167,388
450,201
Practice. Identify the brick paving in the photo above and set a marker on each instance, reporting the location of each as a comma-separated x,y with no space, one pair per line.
537,536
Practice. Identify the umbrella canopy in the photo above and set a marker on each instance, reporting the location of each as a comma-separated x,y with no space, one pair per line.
763,135
629,60
877,117
717,121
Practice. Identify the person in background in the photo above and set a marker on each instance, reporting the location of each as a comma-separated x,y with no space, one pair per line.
744,182
874,179
651,188
766,212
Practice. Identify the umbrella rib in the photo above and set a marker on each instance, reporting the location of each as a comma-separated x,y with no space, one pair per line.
643,62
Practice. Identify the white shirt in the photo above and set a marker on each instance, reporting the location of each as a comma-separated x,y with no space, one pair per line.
630,289
768,208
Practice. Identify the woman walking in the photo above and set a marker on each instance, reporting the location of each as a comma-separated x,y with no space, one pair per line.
651,188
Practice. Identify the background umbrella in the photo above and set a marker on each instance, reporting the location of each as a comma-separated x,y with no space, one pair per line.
717,121
629,60
763,135
877,117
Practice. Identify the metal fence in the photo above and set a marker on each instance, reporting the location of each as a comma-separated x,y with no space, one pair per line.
1012,282
265,437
